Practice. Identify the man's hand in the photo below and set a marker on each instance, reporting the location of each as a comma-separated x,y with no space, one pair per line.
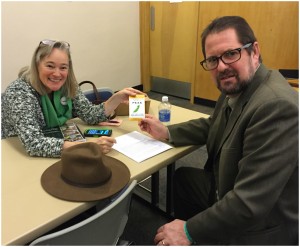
172,234
154,127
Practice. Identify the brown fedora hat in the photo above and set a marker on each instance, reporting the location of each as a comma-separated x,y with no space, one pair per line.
85,174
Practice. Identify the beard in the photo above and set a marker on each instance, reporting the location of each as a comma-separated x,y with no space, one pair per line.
230,88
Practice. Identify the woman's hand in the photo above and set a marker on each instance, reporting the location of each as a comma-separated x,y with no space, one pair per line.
105,143
124,94
154,127
120,97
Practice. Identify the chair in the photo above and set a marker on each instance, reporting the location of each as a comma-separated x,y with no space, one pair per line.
104,92
103,228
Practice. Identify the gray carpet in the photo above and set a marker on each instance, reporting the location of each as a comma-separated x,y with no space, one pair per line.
144,219
194,159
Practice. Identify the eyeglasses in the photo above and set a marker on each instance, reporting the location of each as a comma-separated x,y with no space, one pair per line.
52,42
227,57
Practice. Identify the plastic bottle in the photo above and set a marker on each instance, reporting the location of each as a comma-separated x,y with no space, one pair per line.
164,110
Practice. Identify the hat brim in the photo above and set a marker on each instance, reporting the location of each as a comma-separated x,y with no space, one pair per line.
53,183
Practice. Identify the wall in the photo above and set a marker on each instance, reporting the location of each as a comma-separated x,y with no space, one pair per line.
104,38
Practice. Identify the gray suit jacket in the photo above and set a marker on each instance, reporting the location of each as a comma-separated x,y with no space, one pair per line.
256,166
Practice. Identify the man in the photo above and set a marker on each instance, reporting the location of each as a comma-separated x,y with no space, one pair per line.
247,193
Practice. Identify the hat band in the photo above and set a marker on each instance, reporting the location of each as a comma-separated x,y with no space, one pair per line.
85,185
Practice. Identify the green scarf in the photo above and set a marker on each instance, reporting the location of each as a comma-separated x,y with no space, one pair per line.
59,112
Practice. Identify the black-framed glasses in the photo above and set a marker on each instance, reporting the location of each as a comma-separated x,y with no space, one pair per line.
227,57
52,42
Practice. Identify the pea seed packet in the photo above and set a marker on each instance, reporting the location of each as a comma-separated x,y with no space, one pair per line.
137,107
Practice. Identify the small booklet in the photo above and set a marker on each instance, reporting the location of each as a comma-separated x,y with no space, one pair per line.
69,132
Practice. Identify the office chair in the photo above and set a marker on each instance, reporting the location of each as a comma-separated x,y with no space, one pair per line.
103,228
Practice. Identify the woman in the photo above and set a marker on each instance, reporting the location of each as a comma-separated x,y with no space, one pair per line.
46,95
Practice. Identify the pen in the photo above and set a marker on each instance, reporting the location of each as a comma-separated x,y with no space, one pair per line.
113,121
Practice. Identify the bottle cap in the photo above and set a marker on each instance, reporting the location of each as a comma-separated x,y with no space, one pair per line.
165,98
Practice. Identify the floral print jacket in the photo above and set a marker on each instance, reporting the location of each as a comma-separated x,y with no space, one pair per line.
22,116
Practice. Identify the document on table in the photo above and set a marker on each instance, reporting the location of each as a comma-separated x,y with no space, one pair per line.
138,146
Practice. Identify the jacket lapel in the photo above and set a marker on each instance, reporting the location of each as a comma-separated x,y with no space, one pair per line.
260,76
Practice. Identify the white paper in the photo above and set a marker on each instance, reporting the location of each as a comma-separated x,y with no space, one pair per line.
139,147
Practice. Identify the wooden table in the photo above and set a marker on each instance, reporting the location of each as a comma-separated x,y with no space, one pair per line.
28,211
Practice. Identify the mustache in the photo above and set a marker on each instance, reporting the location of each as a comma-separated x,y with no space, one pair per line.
225,74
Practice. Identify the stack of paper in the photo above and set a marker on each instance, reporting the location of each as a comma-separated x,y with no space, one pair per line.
139,147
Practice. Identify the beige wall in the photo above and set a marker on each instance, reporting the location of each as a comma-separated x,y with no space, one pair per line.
104,38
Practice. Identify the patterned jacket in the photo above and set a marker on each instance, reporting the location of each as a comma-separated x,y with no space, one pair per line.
22,116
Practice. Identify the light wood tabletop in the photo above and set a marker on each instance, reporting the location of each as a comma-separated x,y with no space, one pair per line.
28,211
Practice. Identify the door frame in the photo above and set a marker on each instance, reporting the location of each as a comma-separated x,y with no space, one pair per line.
144,9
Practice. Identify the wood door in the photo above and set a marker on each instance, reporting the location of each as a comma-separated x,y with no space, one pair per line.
172,40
